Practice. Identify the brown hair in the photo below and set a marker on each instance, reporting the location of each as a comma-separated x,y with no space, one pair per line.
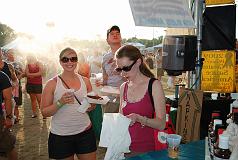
66,50
134,54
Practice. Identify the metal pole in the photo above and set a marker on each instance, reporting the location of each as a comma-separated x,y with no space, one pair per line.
198,23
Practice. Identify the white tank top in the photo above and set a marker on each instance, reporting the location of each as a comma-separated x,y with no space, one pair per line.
67,120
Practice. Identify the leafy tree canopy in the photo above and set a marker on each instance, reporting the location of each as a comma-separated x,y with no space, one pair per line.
146,42
7,34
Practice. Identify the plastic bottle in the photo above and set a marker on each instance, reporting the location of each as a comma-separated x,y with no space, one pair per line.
213,136
222,152
215,115
233,109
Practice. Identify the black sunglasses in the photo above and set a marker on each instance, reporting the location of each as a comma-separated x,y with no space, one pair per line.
126,68
71,59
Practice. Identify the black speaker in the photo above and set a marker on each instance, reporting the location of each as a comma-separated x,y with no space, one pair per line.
219,28
179,54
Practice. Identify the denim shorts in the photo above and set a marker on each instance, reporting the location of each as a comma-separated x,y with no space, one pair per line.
60,147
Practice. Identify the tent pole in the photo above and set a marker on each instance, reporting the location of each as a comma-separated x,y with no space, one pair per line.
198,22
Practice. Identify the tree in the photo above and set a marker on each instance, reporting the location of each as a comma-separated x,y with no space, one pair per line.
146,42
7,34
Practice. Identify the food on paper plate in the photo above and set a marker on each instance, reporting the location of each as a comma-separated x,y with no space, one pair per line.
95,97
92,97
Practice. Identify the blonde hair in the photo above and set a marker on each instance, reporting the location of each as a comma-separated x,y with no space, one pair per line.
68,49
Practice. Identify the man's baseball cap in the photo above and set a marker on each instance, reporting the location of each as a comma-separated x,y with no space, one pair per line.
113,28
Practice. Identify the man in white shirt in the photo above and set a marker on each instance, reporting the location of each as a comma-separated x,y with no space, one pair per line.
110,76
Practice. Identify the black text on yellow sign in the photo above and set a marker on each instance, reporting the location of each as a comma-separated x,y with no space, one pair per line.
218,73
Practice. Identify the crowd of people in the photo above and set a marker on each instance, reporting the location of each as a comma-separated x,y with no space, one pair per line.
63,97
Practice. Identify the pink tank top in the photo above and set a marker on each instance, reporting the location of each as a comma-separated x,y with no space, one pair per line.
34,69
142,138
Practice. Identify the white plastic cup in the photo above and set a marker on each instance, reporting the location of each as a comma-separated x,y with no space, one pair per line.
173,141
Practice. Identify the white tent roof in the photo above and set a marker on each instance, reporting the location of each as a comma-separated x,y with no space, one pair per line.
136,44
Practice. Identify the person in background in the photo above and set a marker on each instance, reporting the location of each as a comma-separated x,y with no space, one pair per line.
95,61
149,61
71,131
110,76
171,82
83,68
7,140
34,72
135,102
158,58
9,70
20,74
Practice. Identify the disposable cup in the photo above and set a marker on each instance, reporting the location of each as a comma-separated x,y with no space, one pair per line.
173,141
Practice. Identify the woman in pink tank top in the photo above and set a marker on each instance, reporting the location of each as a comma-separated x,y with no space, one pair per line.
34,72
135,101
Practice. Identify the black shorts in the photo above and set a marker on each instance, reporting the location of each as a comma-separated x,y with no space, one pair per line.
60,147
34,88
18,99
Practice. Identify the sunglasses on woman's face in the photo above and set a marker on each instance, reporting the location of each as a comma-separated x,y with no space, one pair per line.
71,59
126,68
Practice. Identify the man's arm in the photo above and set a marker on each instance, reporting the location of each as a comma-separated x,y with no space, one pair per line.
104,76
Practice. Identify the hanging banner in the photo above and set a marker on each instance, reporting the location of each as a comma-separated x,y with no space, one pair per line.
162,13
218,71
216,2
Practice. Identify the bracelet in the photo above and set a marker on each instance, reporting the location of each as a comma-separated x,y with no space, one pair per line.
59,104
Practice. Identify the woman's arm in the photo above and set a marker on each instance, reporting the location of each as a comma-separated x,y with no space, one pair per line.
39,73
48,108
160,109
88,84
89,89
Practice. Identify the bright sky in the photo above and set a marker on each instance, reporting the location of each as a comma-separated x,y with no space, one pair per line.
85,19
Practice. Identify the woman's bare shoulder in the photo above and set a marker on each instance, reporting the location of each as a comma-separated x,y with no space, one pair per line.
51,83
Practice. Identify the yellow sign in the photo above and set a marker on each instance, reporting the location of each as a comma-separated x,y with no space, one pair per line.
215,2
236,77
218,72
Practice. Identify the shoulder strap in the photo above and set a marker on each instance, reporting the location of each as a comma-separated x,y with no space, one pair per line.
64,82
69,88
150,91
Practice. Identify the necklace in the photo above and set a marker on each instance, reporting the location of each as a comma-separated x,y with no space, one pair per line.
135,91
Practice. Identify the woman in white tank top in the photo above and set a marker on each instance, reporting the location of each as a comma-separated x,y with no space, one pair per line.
71,131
